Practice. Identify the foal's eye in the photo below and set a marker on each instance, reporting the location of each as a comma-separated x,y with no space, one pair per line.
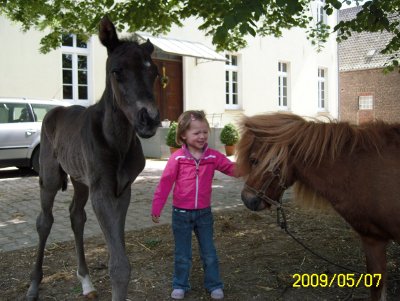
115,70
117,74
146,64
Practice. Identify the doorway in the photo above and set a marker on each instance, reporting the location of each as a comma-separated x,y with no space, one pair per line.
168,89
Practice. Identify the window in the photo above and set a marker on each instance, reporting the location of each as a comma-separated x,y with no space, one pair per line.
321,15
283,85
231,82
15,112
366,102
322,89
40,110
75,68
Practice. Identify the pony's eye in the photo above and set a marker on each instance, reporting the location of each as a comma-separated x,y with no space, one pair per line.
146,64
253,161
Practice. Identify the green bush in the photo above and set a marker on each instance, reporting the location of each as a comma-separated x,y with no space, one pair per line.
229,135
171,134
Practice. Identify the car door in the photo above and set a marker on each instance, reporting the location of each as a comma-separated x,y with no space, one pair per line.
17,131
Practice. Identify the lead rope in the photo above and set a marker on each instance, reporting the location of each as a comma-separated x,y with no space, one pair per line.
283,224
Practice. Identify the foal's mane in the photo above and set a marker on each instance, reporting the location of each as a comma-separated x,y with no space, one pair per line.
287,138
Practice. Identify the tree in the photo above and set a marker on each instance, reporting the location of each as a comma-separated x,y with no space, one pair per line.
228,22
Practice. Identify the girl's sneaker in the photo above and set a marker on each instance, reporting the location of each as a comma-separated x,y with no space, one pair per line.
178,294
217,294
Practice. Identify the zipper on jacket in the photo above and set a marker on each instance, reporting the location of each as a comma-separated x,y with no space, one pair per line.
197,183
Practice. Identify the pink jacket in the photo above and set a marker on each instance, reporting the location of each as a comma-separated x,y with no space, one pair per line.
192,179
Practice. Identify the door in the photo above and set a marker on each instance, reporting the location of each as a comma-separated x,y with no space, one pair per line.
168,89
18,130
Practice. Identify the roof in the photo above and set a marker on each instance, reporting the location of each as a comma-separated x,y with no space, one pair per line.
362,50
34,101
184,48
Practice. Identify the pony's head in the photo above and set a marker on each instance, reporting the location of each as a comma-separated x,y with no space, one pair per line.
274,149
130,75
262,161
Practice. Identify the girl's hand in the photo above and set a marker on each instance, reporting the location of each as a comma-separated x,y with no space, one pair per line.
156,219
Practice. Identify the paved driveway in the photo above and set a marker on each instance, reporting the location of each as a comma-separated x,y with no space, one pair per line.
20,205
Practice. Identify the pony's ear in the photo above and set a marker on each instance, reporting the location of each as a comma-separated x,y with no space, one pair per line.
107,34
148,46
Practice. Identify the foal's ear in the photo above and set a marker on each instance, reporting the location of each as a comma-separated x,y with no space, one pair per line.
148,46
108,34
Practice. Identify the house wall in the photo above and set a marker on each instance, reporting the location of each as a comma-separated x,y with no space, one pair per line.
385,89
263,54
204,85
25,72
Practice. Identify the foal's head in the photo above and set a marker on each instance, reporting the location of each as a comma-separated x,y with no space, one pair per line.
130,75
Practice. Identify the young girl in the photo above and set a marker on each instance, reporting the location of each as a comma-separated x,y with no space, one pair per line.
191,169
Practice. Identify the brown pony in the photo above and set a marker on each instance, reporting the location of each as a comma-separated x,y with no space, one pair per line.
355,168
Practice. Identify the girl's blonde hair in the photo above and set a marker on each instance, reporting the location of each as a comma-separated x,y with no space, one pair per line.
184,123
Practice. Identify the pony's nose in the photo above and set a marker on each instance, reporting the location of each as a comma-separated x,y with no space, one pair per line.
251,202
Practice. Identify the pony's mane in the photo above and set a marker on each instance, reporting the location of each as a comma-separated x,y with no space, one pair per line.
284,138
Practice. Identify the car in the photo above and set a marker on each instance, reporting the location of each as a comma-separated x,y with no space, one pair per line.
20,125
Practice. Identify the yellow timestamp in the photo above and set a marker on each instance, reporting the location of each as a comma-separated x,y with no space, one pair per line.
340,280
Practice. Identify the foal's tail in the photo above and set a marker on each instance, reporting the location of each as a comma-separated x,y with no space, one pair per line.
48,154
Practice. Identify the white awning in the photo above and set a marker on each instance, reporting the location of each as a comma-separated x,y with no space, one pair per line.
184,48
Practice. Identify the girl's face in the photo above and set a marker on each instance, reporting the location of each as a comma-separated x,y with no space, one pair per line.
196,136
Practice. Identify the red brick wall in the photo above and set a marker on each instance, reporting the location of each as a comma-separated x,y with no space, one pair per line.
385,89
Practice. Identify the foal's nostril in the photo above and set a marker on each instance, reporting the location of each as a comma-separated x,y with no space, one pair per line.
145,119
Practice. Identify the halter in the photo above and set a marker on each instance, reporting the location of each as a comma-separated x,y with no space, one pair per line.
261,193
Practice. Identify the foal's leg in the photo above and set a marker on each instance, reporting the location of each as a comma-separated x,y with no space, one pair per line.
78,219
375,252
111,214
52,179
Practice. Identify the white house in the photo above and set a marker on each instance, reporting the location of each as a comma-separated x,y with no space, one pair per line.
270,74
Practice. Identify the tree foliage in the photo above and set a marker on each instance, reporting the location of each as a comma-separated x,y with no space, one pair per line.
228,22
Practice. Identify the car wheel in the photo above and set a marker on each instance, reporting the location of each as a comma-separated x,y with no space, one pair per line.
35,160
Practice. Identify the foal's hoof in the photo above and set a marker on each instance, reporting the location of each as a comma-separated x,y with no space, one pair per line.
92,296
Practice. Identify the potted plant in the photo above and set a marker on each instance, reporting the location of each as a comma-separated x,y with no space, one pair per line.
171,137
229,137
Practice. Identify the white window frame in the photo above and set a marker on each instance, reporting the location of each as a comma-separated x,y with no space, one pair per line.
75,51
281,91
322,89
365,102
231,69
320,12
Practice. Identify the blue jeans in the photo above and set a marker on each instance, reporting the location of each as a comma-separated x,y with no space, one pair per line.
201,222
